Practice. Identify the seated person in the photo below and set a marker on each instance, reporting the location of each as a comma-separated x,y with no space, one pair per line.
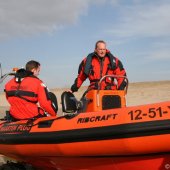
26,92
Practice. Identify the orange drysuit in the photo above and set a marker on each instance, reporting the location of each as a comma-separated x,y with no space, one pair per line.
24,92
95,68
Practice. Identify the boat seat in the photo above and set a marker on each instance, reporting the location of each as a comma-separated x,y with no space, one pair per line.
68,102
54,100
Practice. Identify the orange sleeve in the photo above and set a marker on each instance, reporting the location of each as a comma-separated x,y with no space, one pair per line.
120,71
81,77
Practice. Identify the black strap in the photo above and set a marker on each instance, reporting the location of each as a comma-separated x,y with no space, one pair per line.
88,63
20,94
94,80
112,61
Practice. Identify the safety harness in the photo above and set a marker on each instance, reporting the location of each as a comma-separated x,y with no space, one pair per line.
89,61
19,76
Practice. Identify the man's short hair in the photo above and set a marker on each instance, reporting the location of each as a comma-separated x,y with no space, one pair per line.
100,41
32,65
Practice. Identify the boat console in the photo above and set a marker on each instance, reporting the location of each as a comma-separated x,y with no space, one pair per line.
94,99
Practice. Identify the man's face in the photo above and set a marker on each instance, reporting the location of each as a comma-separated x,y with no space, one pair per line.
36,71
101,49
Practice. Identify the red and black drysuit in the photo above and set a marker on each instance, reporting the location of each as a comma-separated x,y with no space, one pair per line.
95,67
24,92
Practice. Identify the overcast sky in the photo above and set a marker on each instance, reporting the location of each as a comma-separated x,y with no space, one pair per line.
60,33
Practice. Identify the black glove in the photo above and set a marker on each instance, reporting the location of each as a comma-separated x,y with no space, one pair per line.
74,88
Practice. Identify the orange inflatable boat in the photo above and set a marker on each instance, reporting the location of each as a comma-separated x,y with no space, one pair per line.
98,132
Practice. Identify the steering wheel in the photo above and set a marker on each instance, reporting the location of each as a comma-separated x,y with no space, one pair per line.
113,76
103,78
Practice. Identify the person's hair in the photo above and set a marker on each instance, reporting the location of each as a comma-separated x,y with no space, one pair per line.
31,65
100,41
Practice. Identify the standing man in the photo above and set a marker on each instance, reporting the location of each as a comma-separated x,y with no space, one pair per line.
25,91
98,64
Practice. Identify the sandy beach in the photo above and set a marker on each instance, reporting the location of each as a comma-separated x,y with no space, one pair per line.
138,94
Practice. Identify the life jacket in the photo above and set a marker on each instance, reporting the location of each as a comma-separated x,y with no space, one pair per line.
19,76
94,68
89,61
23,92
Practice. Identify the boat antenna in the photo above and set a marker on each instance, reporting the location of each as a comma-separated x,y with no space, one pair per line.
1,70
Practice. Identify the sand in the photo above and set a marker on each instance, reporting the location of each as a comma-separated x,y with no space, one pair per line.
138,94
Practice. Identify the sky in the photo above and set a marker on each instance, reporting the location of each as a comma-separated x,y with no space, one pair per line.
60,33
